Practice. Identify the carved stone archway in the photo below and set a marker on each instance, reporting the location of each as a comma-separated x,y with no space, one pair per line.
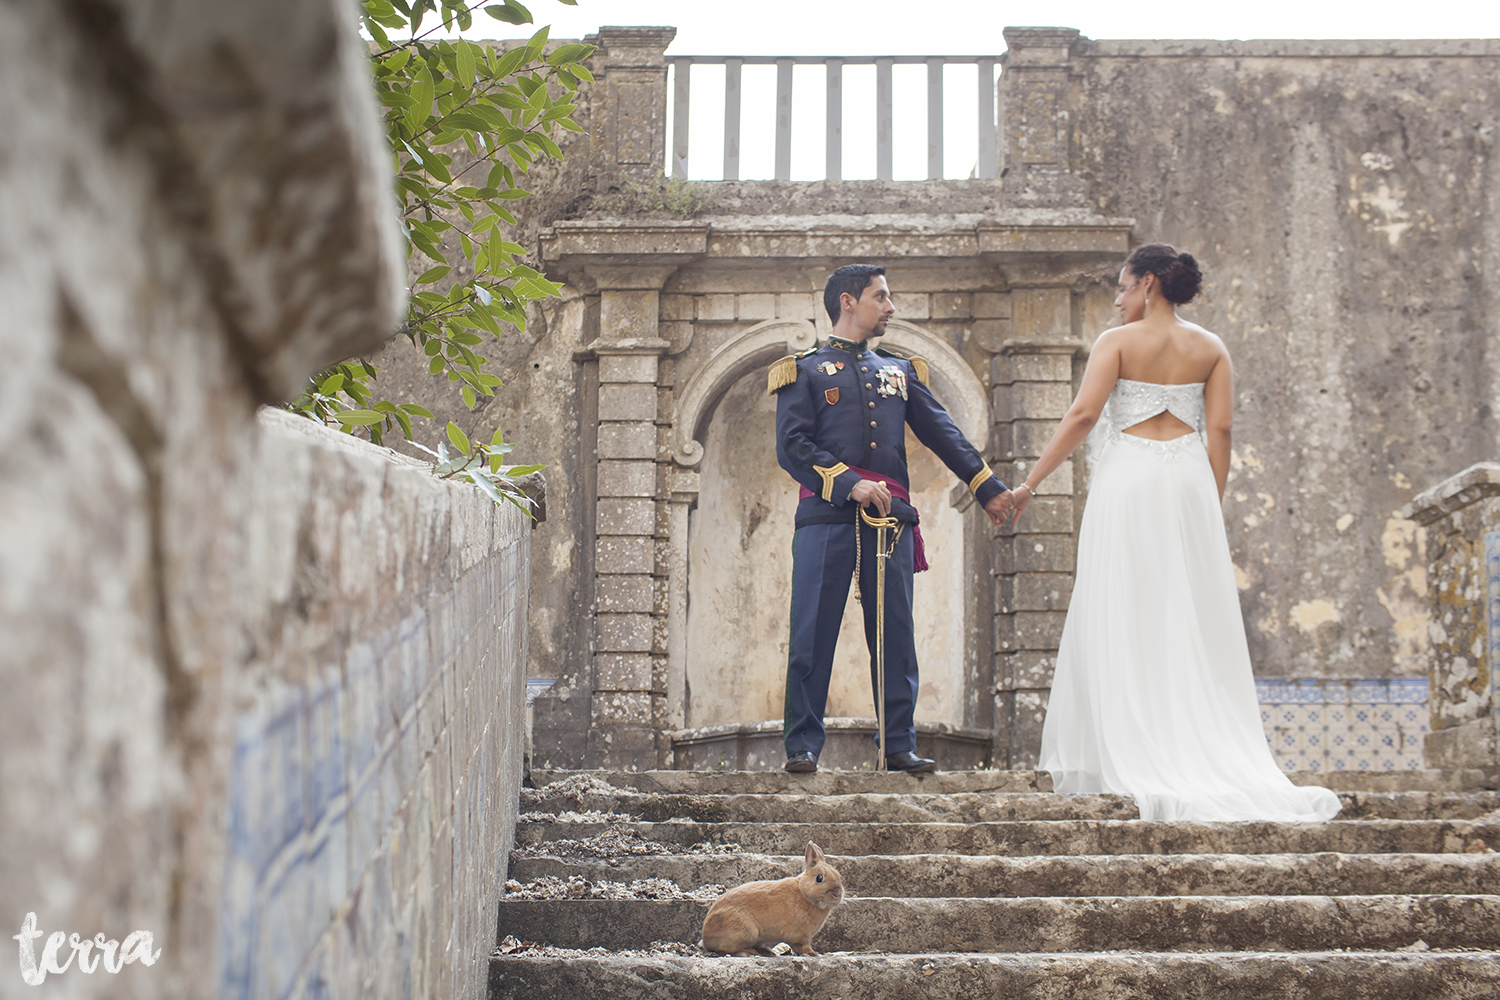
953,381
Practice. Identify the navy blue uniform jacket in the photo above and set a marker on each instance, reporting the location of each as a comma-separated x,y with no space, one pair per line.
829,418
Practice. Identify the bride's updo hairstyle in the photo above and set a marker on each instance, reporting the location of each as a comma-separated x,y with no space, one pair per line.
1178,273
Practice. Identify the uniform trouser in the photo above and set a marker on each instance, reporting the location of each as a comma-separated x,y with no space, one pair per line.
823,557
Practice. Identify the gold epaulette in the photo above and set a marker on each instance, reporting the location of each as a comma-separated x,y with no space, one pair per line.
783,373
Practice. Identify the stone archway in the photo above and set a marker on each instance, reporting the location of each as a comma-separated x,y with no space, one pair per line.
726,609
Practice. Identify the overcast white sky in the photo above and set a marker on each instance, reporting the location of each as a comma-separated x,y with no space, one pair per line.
935,27
972,27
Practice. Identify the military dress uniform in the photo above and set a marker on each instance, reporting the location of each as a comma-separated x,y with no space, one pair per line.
841,416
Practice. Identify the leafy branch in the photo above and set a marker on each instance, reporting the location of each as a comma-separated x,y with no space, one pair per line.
506,107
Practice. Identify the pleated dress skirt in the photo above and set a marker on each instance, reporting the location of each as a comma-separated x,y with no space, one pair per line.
1153,694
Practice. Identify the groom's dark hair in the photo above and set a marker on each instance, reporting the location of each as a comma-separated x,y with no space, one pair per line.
851,278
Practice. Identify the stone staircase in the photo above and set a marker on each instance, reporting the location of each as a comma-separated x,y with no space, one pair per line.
972,884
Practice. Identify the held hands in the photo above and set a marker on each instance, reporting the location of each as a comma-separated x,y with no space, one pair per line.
1007,506
872,491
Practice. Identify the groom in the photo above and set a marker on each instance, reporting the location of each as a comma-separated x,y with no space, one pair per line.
841,417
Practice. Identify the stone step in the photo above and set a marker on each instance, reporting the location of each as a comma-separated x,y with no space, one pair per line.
1040,924
824,782
1232,976
957,807
1106,875
1034,837
858,807
1433,780
845,782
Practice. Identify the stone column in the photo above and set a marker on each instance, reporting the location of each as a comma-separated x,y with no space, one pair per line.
629,637
631,125
1033,378
1036,123
1462,518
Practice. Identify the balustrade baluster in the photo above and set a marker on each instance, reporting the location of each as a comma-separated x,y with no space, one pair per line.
934,119
732,119
883,119
986,167
783,119
834,165
681,79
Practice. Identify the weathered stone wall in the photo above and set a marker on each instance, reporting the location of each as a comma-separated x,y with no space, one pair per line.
261,682
377,752
1344,200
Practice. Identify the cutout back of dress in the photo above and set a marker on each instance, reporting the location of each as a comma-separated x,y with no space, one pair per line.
1132,402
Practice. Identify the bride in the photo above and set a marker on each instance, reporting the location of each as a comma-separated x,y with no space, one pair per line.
1153,695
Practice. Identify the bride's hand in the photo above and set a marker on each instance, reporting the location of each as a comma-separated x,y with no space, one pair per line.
1020,500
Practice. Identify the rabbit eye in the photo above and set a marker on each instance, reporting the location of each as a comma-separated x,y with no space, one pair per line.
820,878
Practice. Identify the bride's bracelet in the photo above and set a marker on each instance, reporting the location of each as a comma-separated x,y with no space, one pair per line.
1028,489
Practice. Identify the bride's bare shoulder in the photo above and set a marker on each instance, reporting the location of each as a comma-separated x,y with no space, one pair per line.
1208,339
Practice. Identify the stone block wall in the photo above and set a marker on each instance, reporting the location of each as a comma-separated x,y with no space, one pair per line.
1461,516
376,753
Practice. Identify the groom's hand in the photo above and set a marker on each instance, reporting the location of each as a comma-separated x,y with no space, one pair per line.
872,491
1001,507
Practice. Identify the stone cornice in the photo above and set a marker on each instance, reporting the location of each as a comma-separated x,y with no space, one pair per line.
1453,494
1066,236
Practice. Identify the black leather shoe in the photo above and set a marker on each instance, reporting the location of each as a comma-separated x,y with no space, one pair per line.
909,761
805,762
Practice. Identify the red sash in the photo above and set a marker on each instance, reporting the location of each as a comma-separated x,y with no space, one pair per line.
918,551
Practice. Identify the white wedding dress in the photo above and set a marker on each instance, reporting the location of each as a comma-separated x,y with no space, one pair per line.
1153,695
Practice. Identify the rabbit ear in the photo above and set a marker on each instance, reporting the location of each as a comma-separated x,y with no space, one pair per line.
814,854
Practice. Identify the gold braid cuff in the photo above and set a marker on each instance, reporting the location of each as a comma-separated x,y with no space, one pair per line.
919,368
783,373
980,478
829,475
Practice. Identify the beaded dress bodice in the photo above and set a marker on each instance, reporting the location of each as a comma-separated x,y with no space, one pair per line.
1131,402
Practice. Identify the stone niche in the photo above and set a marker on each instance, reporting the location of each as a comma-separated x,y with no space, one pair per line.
740,568
1462,518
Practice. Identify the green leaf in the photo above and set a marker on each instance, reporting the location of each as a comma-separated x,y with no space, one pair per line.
509,12
513,194
568,53
432,274
468,396
510,62
421,102
331,384
360,418
523,470
417,411
478,478
436,365
458,437
463,53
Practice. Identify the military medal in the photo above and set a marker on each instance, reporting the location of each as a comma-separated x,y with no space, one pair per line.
839,365
832,395
828,367
892,381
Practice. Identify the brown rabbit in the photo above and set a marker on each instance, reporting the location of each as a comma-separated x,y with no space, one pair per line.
749,919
